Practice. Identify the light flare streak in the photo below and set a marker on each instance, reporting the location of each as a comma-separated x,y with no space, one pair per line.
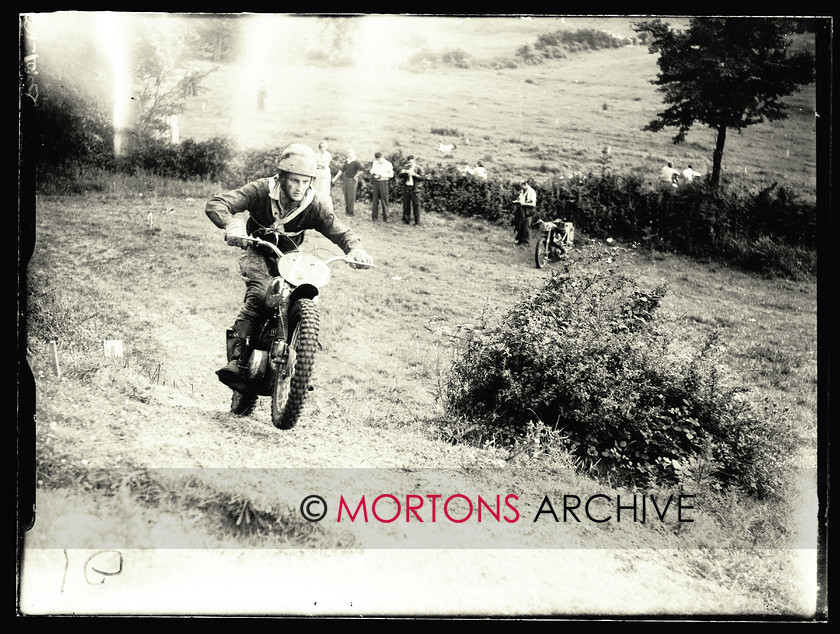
113,33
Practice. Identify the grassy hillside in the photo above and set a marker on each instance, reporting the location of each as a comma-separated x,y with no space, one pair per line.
543,120
140,451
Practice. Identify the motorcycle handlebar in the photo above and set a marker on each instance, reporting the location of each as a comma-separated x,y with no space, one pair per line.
280,253
264,243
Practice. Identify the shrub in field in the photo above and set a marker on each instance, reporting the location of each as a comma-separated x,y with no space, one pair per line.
773,258
445,131
250,165
528,55
447,190
579,39
778,211
588,354
558,44
455,57
205,160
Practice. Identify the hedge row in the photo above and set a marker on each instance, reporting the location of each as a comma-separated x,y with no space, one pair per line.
770,231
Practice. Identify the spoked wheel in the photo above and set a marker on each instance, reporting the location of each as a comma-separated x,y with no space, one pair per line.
541,253
243,404
290,390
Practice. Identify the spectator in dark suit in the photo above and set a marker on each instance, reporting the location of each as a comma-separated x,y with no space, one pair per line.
349,175
412,178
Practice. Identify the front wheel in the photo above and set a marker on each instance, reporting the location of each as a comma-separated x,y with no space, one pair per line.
292,385
541,252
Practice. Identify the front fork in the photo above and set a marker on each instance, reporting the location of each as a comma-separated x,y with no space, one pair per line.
280,297
283,357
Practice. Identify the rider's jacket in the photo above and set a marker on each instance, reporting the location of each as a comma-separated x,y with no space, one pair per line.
261,199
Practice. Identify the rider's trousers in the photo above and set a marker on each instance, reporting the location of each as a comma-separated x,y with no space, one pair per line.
253,267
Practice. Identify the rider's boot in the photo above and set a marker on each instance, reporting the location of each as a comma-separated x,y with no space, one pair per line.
233,374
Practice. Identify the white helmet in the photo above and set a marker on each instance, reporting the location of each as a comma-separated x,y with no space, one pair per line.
298,159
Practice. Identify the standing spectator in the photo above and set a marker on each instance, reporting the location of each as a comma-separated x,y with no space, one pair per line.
323,178
382,172
261,95
349,173
526,206
689,174
412,177
669,175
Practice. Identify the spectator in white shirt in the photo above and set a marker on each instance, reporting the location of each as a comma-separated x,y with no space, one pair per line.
689,174
670,175
526,206
381,174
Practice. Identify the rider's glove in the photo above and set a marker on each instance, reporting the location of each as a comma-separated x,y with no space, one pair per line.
361,257
236,236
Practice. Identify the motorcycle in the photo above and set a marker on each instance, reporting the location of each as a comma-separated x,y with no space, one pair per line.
555,242
279,362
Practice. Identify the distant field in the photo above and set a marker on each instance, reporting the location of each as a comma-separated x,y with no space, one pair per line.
540,120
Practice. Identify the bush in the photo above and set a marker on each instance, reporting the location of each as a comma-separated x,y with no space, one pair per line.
447,190
773,258
559,44
205,160
250,165
587,354
455,57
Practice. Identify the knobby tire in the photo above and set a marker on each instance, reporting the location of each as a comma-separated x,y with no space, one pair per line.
541,252
289,393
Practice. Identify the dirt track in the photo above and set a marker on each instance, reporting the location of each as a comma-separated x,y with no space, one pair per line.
183,423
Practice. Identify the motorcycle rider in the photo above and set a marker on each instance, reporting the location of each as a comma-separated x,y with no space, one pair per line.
285,203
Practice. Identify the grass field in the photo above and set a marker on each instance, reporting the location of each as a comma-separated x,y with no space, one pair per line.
388,336
538,121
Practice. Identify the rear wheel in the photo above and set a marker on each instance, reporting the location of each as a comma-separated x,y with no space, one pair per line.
290,390
541,252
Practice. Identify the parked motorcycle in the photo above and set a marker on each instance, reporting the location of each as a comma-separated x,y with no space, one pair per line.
555,242
279,362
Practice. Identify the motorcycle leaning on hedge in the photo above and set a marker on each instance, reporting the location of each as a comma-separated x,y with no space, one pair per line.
554,244
279,362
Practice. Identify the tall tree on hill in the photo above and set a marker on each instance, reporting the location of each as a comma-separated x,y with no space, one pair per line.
340,33
726,73
163,73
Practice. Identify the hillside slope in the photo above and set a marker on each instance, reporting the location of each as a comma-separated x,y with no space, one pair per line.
140,454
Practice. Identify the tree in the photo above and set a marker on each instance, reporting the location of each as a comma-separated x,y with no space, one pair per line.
341,34
726,73
217,35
